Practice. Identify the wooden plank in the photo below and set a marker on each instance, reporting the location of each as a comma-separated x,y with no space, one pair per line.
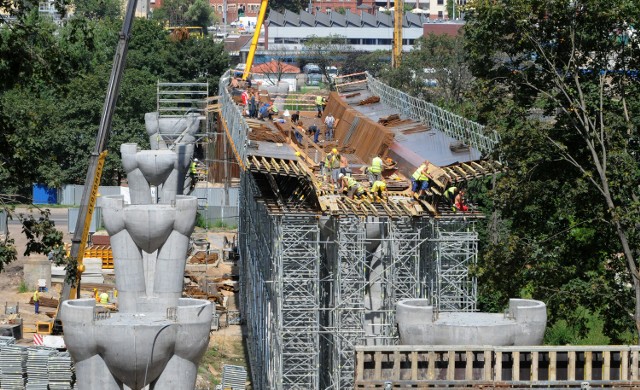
377,364
588,365
606,365
515,371
468,368
553,365
497,375
414,365
486,372
431,367
571,369
624,365
451,365
535,355
359,375
395,372
634,365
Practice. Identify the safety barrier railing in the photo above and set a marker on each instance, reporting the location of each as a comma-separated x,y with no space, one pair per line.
233,121
406,366
455,126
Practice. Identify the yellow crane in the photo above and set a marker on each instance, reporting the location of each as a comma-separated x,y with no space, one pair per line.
398,11
254,40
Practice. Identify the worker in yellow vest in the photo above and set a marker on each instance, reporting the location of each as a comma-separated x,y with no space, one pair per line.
379,190
374,172
352,187
420,180
319,105
36,301
332,165
104,298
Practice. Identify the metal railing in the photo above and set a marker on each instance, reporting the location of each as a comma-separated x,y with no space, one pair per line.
455,126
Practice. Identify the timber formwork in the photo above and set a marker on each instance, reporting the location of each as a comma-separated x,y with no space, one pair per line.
321,274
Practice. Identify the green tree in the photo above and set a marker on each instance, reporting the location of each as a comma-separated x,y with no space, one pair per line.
97,9
557,80
323,51
199,14
291,5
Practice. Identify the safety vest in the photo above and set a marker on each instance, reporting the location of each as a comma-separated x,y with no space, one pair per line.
193,168
351,182
378,185
449,192
376,165
333,160
104,298
36,296
319,100
418,175
274,109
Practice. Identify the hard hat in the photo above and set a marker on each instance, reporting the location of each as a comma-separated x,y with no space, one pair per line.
334,150
298,154
195,159
340,176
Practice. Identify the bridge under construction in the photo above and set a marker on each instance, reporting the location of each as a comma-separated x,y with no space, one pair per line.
320,272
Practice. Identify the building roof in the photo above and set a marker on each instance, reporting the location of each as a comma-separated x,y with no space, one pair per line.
275,67
349,19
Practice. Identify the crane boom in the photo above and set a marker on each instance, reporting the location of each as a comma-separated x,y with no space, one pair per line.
96,161
398,11
254,40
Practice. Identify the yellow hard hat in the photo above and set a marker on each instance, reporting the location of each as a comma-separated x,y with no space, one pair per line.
334,150
298,154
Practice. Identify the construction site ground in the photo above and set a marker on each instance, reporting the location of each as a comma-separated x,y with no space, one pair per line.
226,345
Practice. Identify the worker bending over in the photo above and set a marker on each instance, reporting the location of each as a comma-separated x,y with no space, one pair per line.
379,190
420,180
460,202
352,187
450,195
332,163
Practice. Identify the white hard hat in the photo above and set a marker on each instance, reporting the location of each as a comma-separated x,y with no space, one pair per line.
340,176
195,159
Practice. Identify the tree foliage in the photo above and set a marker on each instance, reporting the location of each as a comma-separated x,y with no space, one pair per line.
558,80
323,51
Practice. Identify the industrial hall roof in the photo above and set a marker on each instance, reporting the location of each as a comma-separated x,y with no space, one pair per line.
349,19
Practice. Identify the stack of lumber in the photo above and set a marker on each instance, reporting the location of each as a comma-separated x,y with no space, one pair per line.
369,100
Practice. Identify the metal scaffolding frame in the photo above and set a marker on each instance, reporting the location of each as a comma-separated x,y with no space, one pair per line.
455,250
314,287
349,285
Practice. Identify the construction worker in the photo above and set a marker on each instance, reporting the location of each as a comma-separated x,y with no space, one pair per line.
36,301
298,132
379,190
319,105
460,202
96,295
104,298
420,180
374,172
352,187
315,130
450,195
329,121
332,163
193,172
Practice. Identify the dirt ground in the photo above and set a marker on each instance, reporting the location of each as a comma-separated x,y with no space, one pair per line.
12,277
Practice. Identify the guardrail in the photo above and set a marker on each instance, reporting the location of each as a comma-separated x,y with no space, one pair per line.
405,366
455,126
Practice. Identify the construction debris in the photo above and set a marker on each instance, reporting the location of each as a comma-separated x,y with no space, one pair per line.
369,100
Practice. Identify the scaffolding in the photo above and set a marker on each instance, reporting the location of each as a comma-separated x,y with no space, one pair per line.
455,251
314,287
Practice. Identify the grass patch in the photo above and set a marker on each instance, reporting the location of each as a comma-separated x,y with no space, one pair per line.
23,288
222,350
